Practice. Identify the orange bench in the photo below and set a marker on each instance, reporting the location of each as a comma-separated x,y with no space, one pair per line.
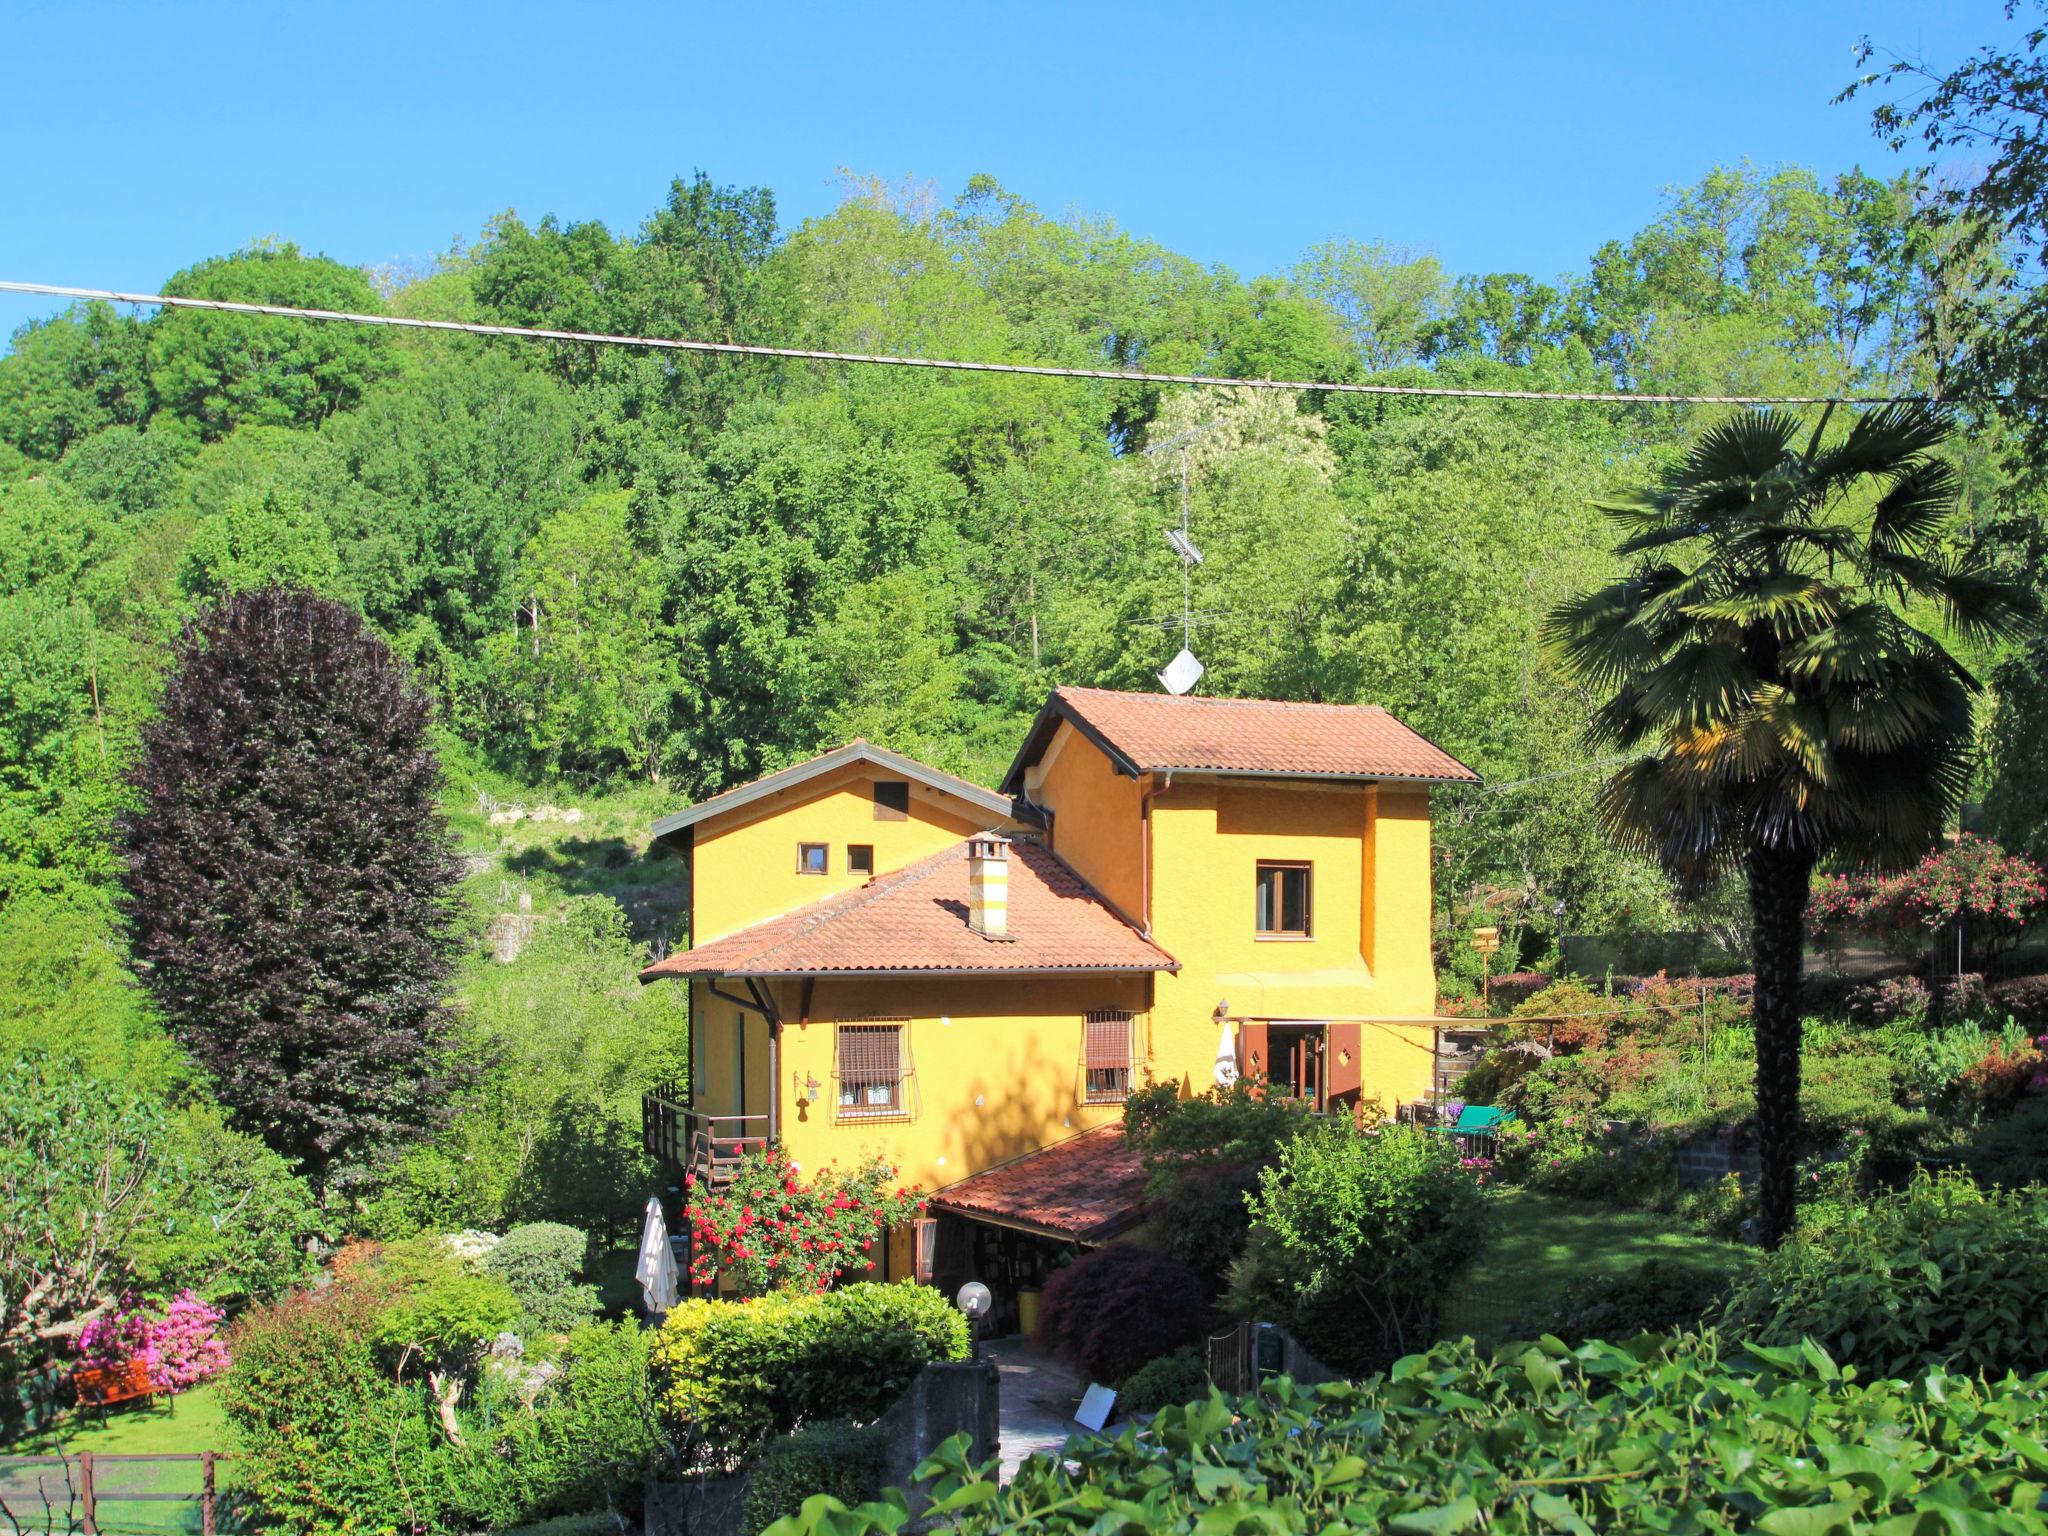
101,1386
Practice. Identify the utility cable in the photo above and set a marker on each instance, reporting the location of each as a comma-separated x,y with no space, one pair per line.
958,365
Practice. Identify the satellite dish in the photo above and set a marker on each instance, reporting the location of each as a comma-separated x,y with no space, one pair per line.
1182,673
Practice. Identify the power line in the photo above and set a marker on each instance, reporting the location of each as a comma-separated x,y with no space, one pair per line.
957,365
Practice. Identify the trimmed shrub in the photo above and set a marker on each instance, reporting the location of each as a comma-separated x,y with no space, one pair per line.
1117,1308
1180,1377
541,1263
1659,1297
729,1374
1941,1273
834,1458
1677,1435
1360,1237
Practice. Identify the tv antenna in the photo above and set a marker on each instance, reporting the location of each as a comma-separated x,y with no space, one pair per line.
1184,671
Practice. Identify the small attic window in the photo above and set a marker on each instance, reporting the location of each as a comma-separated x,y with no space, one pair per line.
892,800
814,858
860,858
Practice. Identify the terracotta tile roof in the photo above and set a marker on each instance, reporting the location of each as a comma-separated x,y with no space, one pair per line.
915,919
1154,732
1159,731
1088,1188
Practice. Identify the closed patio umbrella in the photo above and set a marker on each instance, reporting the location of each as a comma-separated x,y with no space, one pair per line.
656,1270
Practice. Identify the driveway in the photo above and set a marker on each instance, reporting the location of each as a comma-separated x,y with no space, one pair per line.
1040,1395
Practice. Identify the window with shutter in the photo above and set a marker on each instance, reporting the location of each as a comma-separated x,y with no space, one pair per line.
1107,1037
868,1062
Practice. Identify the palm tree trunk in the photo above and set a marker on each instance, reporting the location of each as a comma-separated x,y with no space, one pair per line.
1779,883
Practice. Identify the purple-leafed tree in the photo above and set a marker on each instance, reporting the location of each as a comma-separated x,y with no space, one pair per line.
290,880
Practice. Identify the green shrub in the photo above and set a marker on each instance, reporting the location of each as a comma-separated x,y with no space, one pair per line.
1118,1308
1941,1273
334,1436
2012,1150
432,1308
729,1374
1180,1377
1360,1237
541,1263
1658,1297
832,1458
1681,1435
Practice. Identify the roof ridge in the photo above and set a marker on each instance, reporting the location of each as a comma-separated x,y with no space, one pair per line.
1191,698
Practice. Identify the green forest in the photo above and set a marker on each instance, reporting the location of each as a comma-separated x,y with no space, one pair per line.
628,579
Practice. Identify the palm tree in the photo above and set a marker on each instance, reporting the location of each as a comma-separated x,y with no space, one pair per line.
1766,653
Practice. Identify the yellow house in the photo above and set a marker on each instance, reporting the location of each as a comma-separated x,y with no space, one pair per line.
887,959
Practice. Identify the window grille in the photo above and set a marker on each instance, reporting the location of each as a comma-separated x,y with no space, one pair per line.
870,1067
1109,1037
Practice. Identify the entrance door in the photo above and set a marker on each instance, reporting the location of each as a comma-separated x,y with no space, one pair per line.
1298,1066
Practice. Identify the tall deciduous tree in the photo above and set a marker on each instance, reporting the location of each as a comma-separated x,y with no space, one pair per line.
1765,647
289,876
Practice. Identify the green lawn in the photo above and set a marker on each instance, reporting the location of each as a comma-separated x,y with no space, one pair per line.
1541,1243
128,1430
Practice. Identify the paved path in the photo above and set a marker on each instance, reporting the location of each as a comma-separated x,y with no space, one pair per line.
1040,1395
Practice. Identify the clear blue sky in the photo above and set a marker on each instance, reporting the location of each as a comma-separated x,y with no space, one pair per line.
137,139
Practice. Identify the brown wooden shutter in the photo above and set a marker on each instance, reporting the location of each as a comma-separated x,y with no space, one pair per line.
1345,1071
869,1056
1109,1041
1254,1057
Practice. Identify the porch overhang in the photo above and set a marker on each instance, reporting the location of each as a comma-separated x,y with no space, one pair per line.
1087,1190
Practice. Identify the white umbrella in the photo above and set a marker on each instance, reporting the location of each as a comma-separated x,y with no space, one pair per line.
656,1270
1226,1058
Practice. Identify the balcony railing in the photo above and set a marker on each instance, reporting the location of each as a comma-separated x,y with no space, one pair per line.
710,1146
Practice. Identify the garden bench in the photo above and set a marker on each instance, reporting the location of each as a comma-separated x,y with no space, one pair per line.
102,1386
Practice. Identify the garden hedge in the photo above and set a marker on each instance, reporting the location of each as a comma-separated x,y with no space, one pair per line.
730,1374
1662,1435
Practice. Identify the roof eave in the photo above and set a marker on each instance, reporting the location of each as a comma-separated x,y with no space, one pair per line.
992,801
1039,737
1467,777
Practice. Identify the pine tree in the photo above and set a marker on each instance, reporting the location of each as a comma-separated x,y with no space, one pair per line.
289,881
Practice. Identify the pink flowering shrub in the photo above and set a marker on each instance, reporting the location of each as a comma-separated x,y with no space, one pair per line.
185,1346
108,1343
181,1348
1995,895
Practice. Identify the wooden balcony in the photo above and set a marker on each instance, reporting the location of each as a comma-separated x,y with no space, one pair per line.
709,1146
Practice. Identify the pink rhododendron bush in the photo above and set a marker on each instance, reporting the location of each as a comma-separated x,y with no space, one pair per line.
181,1345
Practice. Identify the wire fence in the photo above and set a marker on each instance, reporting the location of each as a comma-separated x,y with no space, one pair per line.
93,1494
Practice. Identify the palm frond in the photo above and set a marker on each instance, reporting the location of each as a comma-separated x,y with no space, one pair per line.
1921,499
1789,603
1745,447
1699,684
1882,442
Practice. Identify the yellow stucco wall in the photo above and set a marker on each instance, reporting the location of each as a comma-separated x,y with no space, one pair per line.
745,862
994,1069
1096,824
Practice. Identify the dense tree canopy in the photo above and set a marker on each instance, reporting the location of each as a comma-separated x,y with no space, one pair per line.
288,879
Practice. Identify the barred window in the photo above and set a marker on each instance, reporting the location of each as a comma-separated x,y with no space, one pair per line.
869,1066
1107,1039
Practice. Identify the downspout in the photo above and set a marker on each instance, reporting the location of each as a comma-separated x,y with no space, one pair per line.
768,1012
1145,800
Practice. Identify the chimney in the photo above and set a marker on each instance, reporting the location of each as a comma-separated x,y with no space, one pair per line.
988,885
